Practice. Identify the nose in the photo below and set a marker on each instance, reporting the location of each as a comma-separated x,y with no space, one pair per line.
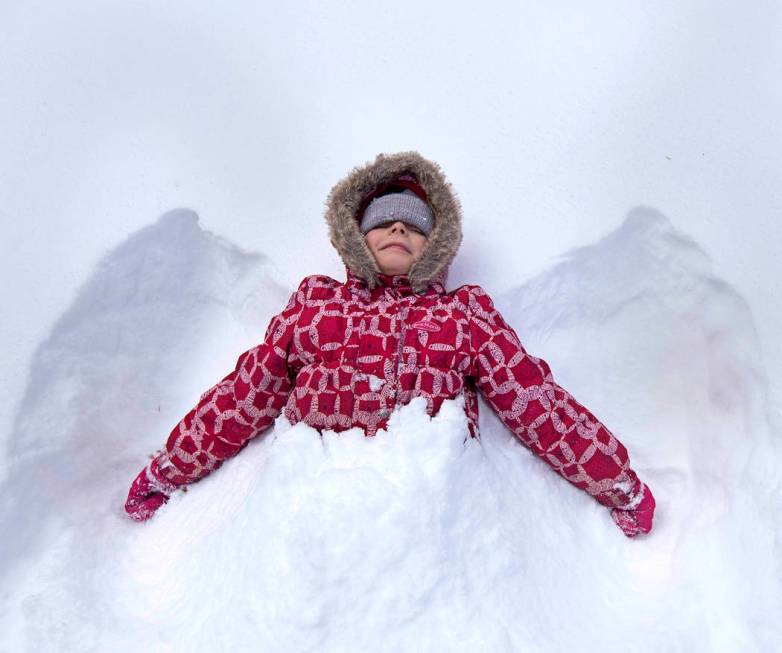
398,226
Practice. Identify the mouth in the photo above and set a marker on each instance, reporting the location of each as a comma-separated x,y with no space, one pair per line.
396,246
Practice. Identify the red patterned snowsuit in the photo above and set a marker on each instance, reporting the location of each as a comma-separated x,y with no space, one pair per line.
346,354
340,356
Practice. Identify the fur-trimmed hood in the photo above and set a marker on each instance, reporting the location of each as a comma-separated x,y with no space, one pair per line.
345,200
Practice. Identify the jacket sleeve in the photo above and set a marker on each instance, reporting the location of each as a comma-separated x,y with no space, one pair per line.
544,416
239,407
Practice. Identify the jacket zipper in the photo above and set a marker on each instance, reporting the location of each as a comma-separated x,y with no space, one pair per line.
400,346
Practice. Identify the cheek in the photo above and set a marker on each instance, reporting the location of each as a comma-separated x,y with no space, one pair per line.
419,245
370,243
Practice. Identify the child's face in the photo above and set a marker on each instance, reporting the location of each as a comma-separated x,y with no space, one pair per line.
395,245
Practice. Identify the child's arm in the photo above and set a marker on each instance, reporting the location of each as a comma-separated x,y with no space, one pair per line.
226,417
546,418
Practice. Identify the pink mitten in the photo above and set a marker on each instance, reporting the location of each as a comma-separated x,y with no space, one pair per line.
149,491
637,516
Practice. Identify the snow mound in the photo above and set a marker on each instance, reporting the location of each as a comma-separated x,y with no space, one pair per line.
419,538
332,543
118,371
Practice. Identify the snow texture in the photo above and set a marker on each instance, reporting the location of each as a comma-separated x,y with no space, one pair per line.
420,538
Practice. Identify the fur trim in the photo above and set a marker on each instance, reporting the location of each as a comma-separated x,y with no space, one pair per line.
345,198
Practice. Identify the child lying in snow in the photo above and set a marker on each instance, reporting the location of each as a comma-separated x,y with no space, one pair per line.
345,354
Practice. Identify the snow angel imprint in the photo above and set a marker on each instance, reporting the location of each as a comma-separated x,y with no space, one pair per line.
345,354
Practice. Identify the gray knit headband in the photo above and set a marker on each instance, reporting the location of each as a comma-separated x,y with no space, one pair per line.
405,206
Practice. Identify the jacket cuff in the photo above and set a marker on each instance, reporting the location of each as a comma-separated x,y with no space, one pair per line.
629,492
167,473
625,493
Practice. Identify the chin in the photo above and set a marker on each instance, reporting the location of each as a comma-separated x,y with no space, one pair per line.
397,266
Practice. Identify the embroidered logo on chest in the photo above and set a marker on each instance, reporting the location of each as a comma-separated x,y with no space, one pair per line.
426,325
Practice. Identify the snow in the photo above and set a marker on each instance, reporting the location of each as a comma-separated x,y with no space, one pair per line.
375,382
420,538
619,173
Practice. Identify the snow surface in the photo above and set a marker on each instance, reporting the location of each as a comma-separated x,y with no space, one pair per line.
552,120
420,538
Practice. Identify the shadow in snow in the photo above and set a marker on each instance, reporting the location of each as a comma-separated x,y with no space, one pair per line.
164,315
